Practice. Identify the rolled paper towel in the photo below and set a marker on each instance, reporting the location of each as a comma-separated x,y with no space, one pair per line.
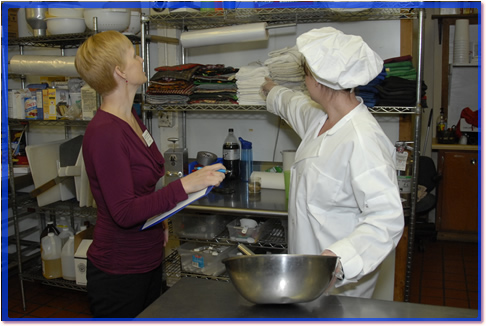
224,35
271,180
43,65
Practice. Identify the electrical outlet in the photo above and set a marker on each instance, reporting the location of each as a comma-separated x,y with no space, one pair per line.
166,119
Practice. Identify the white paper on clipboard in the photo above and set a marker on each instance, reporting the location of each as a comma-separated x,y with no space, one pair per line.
192,197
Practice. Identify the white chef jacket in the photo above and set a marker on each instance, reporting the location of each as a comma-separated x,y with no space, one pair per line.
344,194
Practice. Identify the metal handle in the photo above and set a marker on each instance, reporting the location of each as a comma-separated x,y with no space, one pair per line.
244,249
473,162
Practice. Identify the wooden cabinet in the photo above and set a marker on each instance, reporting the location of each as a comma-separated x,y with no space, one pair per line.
457,207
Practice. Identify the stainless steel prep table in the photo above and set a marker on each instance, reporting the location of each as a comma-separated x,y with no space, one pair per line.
193,298
269,203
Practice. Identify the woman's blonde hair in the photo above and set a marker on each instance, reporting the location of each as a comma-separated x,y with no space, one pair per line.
97,58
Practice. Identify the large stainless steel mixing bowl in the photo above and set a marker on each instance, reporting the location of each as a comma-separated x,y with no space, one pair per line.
280,278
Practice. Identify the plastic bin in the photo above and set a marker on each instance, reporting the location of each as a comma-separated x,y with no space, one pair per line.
200,258
252,235
199,226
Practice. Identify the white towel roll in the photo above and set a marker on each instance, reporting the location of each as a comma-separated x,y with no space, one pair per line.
43,65
224,35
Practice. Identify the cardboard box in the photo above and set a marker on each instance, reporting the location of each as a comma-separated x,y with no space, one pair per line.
18,105
30,105
81,262
13,24
49,103
82,241
88,102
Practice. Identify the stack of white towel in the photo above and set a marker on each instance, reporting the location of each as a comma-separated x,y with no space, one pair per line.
286,68
249,80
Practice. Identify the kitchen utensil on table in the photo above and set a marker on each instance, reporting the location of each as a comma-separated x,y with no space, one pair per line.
280,278
206,158
176,162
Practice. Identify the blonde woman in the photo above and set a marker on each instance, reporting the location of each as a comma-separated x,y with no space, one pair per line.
124,165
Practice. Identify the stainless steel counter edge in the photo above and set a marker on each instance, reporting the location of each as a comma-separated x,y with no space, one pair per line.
235,210
194,298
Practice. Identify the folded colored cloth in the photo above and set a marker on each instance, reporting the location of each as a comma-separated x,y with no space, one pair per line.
175,72
398,59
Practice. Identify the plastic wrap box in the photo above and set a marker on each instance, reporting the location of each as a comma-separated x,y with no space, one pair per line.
252,235
199,226
200,258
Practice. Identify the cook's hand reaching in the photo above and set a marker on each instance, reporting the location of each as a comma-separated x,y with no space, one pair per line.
203,178
267,87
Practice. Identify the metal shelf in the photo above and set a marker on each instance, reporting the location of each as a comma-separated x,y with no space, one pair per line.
35,273
258,108
66,41
173,271
273,238
68,123
275,16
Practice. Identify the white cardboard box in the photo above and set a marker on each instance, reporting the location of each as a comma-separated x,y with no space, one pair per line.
80,261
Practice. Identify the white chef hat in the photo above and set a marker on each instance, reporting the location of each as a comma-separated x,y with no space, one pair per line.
337,60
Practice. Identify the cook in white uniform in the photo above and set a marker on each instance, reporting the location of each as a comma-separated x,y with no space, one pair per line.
344,198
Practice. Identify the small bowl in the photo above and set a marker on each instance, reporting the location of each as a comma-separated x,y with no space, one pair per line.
134,27
108,19
65,25
66,12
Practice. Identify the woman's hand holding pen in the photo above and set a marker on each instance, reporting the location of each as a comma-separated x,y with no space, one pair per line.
203,178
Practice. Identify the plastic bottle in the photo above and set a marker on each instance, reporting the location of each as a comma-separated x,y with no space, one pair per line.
49,228
67,260
231,156
64,236
441,122
246,162
404,161
62,223
51,256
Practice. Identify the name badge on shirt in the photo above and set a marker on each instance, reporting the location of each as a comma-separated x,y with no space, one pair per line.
148,138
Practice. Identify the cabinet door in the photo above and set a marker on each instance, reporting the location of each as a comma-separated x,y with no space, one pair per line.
458,191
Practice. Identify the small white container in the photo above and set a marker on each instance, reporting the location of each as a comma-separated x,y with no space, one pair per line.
60,25
135,24
67,260
108,19
66,12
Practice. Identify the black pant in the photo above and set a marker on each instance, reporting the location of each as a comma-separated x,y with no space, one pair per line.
121,296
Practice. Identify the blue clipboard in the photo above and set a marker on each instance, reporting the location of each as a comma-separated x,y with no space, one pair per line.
192,198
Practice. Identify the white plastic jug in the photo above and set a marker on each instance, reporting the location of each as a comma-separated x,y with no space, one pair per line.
64,235
67,260
51,256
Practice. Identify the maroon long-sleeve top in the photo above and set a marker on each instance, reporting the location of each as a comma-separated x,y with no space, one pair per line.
123,173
